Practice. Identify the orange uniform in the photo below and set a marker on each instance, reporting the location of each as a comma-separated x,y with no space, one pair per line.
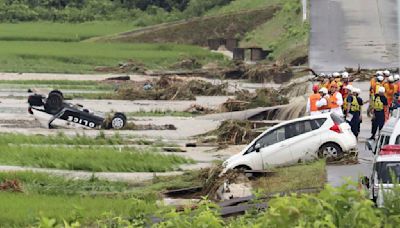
333,101
390,90
313,101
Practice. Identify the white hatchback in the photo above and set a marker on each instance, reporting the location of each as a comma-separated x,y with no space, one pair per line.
302,139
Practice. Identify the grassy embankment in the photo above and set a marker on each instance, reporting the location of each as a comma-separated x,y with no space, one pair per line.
59,48
72,154
88,200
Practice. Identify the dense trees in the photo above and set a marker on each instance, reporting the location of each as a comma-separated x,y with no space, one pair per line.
86,10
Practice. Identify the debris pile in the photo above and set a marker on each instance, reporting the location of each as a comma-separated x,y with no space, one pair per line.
11,186
262,73
234,132
130,66
198,109
189,64
349,158
169,88
265,97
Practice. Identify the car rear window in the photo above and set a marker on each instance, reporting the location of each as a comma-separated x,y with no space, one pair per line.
337,119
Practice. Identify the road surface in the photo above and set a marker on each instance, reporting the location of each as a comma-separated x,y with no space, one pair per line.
345,33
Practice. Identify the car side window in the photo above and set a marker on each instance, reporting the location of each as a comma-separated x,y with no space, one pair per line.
272,137
386,141
298,128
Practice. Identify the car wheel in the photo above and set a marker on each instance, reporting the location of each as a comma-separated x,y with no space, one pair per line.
330,150
118,121
54,102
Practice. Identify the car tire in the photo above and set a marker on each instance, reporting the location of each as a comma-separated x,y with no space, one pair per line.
118,121
330,150
54,102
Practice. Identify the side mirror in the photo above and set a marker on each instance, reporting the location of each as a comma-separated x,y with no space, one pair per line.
257,147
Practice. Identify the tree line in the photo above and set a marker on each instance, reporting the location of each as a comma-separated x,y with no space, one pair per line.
87,10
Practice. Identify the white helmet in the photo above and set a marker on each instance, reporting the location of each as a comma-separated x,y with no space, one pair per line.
336,74
380,78
378,73
349,87
357,90
390,78
322,75
323,90
381,89
345,75
396,77
329,75
386,73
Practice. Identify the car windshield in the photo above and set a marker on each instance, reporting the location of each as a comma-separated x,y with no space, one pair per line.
387,171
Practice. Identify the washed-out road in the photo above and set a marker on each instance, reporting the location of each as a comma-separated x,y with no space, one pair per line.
348,33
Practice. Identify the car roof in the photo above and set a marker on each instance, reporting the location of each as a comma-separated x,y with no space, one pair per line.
319,116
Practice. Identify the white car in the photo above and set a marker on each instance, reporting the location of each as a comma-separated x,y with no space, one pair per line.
386,164
302,139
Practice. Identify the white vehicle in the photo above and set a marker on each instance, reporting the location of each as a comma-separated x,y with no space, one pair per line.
386,160
386,169
302,139
389,135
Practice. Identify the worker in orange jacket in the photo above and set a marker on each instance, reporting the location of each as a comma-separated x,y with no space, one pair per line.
312,108
390,89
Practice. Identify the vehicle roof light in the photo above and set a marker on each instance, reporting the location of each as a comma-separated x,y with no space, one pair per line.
390,150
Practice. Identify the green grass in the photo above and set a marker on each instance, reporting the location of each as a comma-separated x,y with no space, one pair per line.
54,152
311,175
96,159
57,84
61,57
285,34
100,139
239,5
66,32
42,183
21,210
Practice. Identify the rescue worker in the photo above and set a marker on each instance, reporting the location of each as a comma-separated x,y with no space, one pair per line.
386,73
345,83
348,92
323,103
312,108
397,81
354,110
335,100
390,89
379,104
337,79
326,83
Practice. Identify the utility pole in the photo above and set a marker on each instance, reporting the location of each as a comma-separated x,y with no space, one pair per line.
304,3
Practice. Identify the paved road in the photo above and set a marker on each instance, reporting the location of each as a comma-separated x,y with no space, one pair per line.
345,33
337,175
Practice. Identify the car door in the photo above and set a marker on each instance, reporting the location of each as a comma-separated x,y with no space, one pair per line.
304,140
274,150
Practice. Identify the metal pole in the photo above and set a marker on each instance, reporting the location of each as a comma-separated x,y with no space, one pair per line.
304,3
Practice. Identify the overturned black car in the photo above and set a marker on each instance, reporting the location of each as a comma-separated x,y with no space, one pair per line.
53,110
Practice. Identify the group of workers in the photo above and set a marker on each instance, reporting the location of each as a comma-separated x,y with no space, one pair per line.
335,93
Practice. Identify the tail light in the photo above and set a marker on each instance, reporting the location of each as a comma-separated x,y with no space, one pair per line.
30,110
336,128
